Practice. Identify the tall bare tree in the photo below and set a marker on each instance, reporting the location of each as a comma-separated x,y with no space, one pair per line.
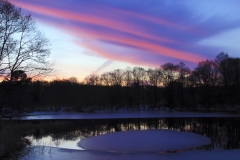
229,69
105,79
169,76
206,75
128,77
116,77
183,81
154,76
23,48
138,79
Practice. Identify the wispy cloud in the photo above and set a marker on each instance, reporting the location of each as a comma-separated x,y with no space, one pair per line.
161,30
103,66
91,19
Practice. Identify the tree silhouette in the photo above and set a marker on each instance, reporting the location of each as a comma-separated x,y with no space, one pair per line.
206,76
23,49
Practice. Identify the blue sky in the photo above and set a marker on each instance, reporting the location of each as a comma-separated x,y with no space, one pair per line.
95,36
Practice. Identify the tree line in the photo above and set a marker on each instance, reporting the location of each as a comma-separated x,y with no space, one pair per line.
212,85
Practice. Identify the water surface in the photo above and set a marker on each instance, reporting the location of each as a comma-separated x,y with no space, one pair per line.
223,132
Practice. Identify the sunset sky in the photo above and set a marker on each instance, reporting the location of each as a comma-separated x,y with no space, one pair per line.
95,36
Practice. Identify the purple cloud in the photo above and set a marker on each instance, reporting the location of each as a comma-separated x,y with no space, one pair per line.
151,32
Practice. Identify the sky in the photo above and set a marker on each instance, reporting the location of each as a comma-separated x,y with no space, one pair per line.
96,36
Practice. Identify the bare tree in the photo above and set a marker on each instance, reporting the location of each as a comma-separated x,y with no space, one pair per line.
128,77
116,77
169,76
138,79
128,82
229,69
206,75
22,46
154,76
183,82
92,79
73,80
169,71
105,79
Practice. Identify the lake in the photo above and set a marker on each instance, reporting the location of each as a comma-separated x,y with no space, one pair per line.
223,132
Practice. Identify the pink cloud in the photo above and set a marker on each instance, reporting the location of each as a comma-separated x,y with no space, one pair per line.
91,19
151,47
81,32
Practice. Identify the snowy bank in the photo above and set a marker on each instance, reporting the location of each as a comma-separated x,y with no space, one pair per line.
63,154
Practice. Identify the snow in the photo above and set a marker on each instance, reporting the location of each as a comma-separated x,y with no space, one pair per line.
63,154
122,114
144,141
48,141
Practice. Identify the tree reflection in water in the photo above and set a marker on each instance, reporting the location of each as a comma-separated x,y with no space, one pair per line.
224,132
